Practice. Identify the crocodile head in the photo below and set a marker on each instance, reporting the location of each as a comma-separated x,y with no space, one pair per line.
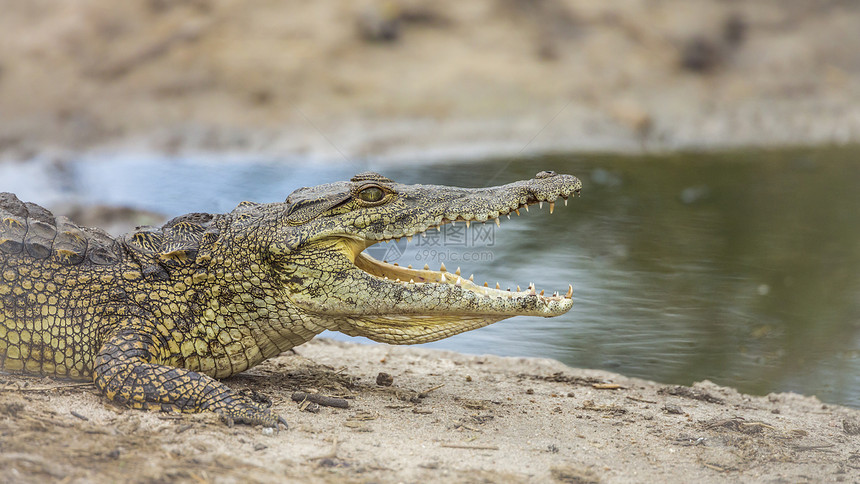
319,257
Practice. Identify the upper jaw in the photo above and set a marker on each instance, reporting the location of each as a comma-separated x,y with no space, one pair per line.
473,205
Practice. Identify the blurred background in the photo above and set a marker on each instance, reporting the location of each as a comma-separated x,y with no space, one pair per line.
718,235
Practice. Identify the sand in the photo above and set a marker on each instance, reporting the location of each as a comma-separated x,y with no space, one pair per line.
446,417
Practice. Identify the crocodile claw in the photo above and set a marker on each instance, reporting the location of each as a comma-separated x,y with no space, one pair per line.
245,409
262,417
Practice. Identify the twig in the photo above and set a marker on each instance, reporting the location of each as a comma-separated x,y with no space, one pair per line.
635,399
427,391
82,417
605,386
473,447
756,424
320,399
340,370
462,425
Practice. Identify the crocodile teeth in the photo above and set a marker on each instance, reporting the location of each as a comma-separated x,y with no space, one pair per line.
456,278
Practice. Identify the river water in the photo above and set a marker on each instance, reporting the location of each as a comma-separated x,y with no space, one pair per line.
742,268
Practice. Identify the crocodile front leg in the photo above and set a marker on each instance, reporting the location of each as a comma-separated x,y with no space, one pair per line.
128,371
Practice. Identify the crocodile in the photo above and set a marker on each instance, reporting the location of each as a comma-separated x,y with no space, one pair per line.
155,318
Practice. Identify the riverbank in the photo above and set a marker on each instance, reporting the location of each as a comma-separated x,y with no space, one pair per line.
445,417
401,80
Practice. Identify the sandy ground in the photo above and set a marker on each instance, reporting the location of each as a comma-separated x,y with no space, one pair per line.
447,417
405,79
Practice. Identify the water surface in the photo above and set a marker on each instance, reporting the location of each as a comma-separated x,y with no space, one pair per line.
741,268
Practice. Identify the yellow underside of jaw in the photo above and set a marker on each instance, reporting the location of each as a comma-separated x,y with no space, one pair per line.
415,329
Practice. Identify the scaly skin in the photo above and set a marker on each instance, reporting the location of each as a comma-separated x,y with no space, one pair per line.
155,317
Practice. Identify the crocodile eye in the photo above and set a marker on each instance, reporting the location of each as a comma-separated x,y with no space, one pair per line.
371,194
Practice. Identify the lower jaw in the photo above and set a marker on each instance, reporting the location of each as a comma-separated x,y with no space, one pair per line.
407,330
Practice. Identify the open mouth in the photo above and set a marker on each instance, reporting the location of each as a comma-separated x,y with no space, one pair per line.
415,278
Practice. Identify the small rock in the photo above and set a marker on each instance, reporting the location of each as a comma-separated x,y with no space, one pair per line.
530,391
673,409
851,427
700,55
384,379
